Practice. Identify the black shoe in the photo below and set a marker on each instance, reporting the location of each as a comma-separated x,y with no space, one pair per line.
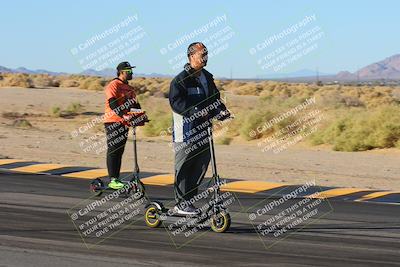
186,209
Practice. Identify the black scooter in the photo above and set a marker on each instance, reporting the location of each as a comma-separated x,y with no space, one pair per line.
133,185
215,212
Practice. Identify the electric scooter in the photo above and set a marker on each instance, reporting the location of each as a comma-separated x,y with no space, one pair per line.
133,185
215,212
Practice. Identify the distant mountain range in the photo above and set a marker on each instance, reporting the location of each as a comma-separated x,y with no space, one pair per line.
28,71
388,69
89,72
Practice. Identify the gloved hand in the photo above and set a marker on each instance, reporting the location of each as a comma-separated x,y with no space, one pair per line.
140,120
127,117
223,115
136,118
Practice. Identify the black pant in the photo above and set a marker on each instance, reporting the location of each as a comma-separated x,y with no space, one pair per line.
117,134
190,167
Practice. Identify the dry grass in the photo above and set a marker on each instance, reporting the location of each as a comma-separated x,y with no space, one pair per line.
360,129
72,109
16,80
22,123
358,117
44,80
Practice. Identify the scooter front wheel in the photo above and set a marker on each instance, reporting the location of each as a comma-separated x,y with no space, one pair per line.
152,217
220,222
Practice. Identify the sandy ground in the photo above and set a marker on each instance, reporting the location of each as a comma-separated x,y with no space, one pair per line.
50,140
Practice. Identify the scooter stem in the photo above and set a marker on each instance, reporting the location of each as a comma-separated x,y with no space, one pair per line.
212,152
136,166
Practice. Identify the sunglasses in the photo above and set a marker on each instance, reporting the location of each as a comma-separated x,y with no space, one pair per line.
128,71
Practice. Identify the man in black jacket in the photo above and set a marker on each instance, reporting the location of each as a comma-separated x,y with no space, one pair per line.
195,101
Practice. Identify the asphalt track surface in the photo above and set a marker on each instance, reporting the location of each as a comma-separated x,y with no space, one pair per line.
36,230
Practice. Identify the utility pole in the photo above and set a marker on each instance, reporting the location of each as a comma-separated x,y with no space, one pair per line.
318,82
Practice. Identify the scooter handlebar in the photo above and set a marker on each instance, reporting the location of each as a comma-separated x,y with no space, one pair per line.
138,118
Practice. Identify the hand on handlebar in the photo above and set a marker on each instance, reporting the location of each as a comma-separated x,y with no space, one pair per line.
136,118
224,115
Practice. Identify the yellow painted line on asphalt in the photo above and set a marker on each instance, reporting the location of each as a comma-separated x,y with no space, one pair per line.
163,179
336,192
9,161
168,179
37,168
250,186
376,195
88,174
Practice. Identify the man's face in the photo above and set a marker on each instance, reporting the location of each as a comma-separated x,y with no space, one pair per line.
198,59
127,74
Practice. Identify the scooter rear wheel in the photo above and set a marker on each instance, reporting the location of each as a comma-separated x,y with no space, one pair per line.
97,186
220,222
151,216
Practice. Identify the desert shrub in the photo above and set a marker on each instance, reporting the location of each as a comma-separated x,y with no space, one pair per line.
251,121
158,87
12,115
396,94
362,129
92,83
17,80
250,88
224,140
97,85
44,80
267,108
220,85
142,98
55,111
22,123
74,108
69,83
330,99
352,101
160,123
164,87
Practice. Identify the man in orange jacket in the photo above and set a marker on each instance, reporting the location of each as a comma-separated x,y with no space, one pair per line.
120,98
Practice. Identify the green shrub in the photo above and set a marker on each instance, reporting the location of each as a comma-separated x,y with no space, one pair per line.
251,121
225,140
362,129
160,122
55,111
22,123
74,108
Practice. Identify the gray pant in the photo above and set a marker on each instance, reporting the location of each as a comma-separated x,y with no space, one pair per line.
191,165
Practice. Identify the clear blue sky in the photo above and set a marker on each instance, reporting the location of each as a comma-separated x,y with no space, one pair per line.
41,34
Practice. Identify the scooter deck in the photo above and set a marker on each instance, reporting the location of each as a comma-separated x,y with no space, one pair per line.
171,217
167,212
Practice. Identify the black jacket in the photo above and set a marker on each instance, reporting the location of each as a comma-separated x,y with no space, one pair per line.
188,100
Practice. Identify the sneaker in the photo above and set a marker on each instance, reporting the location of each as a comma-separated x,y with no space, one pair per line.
186,210
116,184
